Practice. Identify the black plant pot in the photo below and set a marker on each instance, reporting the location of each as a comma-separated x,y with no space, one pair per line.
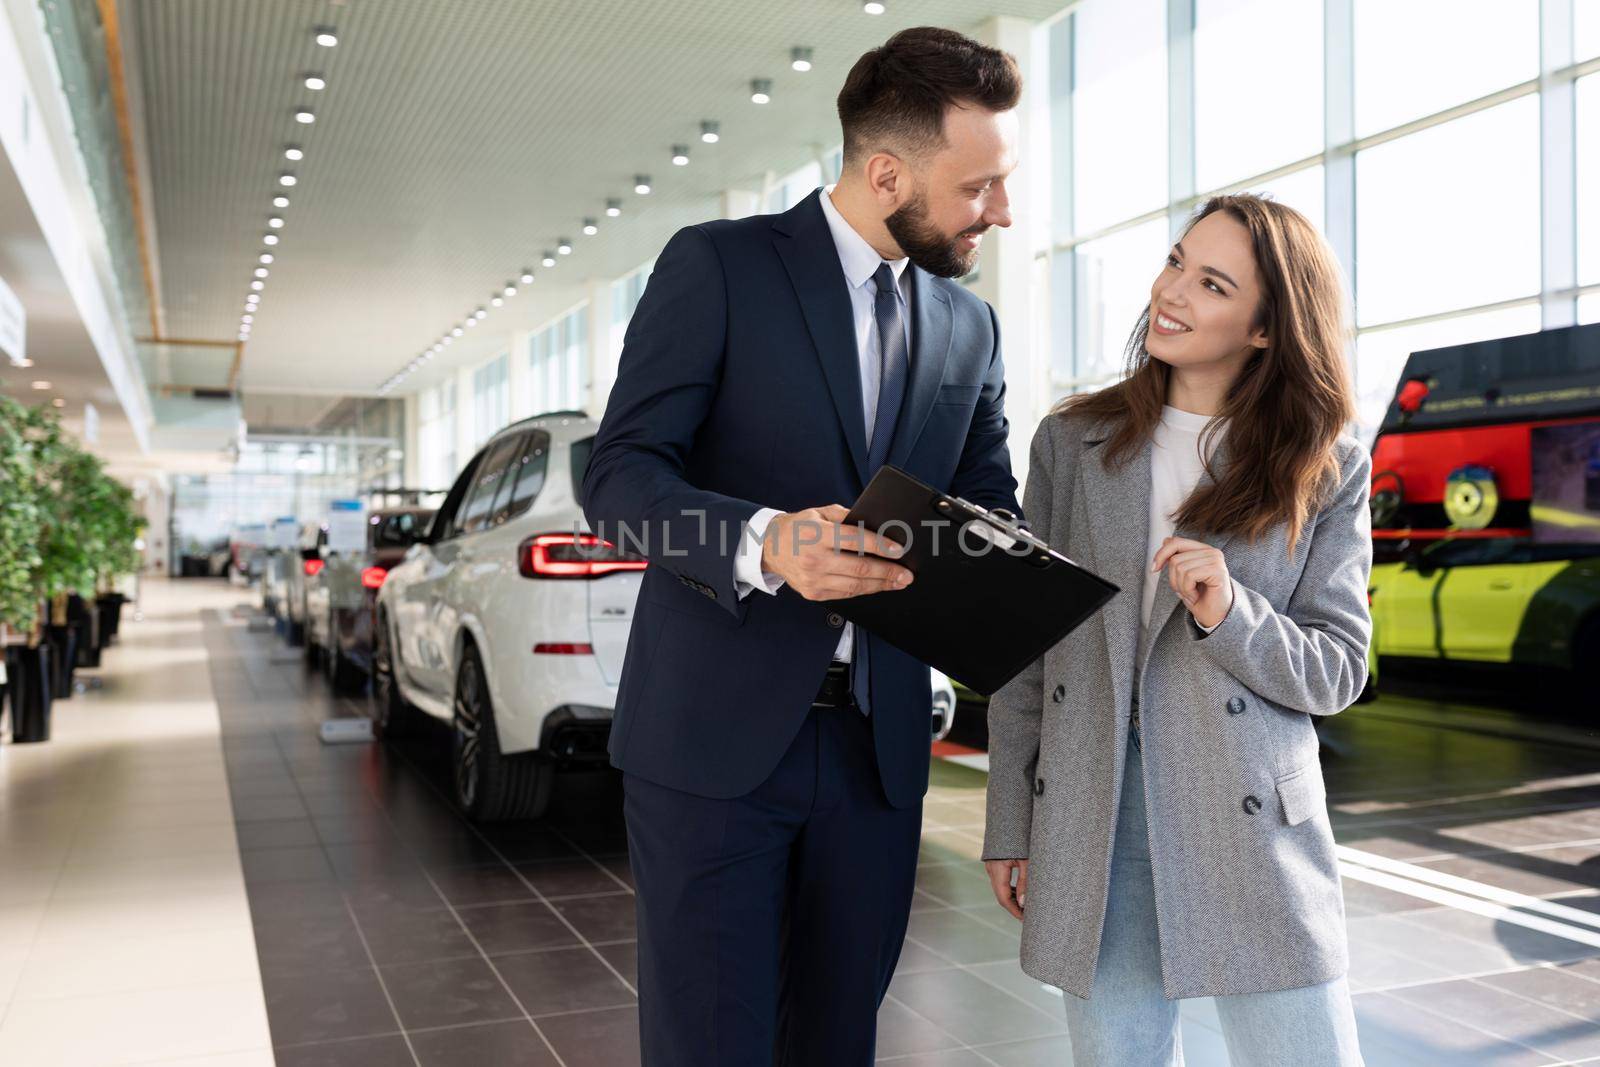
84,619
28,686
110,606
63,660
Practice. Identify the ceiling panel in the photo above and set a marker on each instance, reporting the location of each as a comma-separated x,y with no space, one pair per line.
456,140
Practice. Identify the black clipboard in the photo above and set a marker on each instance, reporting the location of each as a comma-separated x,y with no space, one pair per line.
979,614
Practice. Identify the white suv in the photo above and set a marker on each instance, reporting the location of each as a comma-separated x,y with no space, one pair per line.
509,620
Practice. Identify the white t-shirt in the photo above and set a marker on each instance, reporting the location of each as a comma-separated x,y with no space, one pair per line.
1175,468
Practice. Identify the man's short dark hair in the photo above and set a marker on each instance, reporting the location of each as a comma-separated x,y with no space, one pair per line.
895,96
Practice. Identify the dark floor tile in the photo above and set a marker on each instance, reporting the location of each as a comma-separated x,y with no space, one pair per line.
307,863
518,842
956,885
372,860
276,833
952,1057
1048,1052
516,927
411,935
915,957
413,891
304,944
1394,1032
624,956
607,918
389,1051
455,848
607,1038
572,878
562,980
483,1045
448,993
465,886
256,809
326,1007
1509,1016
348,828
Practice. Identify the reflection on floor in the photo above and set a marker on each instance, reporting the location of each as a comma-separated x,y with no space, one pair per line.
388,931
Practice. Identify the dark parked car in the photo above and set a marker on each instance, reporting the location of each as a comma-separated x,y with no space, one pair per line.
342,597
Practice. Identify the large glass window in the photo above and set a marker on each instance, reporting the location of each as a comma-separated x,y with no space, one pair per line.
1381,354
1241,46
1419,57
1588,148
1589,308
558,360
1585,29
1303,190
1115,274
490,399
1119,115
1449,217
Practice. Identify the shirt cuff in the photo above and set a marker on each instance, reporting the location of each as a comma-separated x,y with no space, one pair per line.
748,573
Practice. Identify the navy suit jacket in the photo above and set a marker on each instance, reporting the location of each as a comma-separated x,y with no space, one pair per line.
739,389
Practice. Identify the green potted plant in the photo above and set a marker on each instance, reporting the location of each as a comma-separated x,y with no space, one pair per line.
27,658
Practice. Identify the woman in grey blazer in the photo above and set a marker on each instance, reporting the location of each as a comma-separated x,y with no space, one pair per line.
1156,811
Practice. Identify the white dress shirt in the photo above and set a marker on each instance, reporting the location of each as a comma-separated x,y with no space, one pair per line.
860,262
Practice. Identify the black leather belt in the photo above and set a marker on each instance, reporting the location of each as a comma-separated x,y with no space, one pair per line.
835,689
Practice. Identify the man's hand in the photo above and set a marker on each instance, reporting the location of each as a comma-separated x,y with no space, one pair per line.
823,560
1199,575
1011,897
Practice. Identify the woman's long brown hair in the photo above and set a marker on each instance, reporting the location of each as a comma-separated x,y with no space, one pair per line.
1289,404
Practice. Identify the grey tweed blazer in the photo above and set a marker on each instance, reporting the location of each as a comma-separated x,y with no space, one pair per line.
1246,880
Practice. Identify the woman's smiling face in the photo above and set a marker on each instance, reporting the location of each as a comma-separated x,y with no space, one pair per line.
1204,302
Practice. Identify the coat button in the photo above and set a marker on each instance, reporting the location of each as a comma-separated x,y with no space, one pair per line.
1251,805
835,620
1236,706
1038,787
1060,692
710,592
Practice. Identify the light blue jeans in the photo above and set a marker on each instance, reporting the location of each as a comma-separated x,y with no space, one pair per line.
1128,1022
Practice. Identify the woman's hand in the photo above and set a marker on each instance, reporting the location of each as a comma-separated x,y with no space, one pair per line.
1010,897
1199,575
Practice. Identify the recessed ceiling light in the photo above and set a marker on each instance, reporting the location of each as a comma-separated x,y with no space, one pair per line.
448,338
613,208
326,36
58,402
437,348
680,155
261,272
251,318
304,116
472,321
457,332
872,7
527,276
590,228
286,179
499,301
41,385
760,90
275,221
710,132
280,201
509,290
269,238
480,314
548,260
800,59
258,285
564,246
23,363
641,184
266,257
294,152
315,82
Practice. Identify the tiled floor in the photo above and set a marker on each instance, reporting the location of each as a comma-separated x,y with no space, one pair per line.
125,932
390,932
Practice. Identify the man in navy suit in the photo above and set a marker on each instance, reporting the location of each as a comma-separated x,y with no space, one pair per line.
774,756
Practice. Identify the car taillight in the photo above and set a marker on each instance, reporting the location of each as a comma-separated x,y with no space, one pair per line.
565,555
547,648
372,577
313,567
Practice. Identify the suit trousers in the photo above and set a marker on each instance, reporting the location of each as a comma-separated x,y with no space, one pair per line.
770,924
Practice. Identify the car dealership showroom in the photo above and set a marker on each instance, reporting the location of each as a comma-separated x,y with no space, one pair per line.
471,474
